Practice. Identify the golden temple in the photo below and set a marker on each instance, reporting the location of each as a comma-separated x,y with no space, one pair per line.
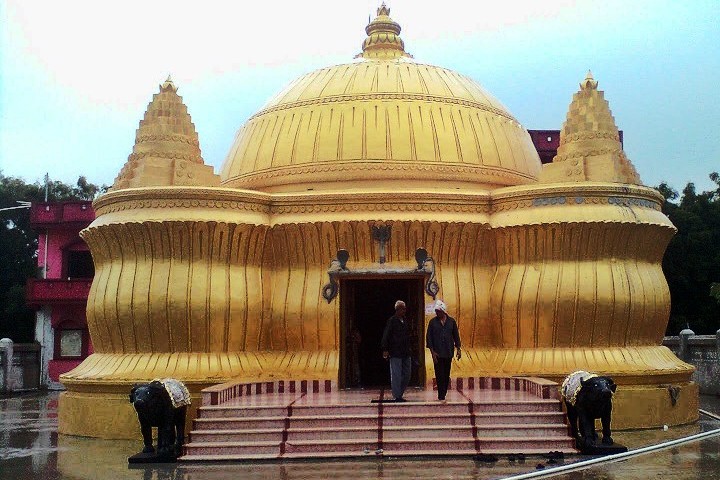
358,184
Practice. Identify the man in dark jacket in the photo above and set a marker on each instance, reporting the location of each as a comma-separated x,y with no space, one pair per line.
442,339
396,346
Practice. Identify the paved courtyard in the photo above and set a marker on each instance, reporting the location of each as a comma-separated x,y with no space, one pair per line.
30,447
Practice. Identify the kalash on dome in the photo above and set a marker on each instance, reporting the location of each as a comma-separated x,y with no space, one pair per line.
358,184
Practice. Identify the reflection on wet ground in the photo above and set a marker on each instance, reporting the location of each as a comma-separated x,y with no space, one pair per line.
31,448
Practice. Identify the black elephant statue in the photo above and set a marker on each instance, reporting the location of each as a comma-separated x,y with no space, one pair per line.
588,396
163,404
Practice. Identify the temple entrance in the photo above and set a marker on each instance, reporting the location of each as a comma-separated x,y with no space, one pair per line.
365,306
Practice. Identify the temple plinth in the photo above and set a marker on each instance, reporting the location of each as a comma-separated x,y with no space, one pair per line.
548,270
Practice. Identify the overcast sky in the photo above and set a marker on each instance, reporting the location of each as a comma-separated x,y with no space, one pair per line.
76,76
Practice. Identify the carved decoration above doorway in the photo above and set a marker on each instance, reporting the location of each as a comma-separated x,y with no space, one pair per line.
338,264
425,263
381,233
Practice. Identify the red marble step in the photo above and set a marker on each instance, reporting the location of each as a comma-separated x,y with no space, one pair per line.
247,435
364,433
546,444
360,446
232,448
351,446
336,410
334,422
269,411
216,411
307,456
279,422
425,408
485,418
238,423
538,405
502,431
523,418
439,451
406,420
430,431
435,452
202,457
497,444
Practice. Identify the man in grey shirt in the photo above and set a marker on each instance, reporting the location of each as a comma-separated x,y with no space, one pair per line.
396,346
442,339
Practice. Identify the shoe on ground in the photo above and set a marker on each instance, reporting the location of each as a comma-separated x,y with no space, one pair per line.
400,400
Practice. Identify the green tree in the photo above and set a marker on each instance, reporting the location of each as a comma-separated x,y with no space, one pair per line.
18,246
715,291
692,260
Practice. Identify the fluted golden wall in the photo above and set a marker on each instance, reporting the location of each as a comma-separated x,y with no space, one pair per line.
521,270
579,284
175,286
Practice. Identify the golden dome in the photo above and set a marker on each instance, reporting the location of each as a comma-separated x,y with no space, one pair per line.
382,118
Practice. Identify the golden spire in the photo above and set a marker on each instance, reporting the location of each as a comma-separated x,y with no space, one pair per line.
589,82
168,86
166,150
383,40
590,148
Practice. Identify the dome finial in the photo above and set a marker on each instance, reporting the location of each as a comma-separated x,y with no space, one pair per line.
168,85
383,10
383,40
589,82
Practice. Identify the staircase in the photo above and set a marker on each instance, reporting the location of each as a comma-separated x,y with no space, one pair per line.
280,424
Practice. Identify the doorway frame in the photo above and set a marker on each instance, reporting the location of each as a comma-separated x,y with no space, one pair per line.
344,314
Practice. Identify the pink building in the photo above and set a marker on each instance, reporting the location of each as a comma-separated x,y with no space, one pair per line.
547,142
60,292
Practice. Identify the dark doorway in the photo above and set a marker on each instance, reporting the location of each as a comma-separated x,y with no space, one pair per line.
366,304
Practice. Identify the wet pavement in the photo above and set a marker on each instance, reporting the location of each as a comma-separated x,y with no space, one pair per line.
30,447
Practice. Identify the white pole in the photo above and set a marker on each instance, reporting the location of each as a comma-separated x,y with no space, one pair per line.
45,254
13,208
612,458
47,231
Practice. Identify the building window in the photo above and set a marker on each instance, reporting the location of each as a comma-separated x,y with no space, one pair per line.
71,343
80,264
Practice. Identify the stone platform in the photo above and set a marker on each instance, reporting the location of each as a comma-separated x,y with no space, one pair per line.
506,416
